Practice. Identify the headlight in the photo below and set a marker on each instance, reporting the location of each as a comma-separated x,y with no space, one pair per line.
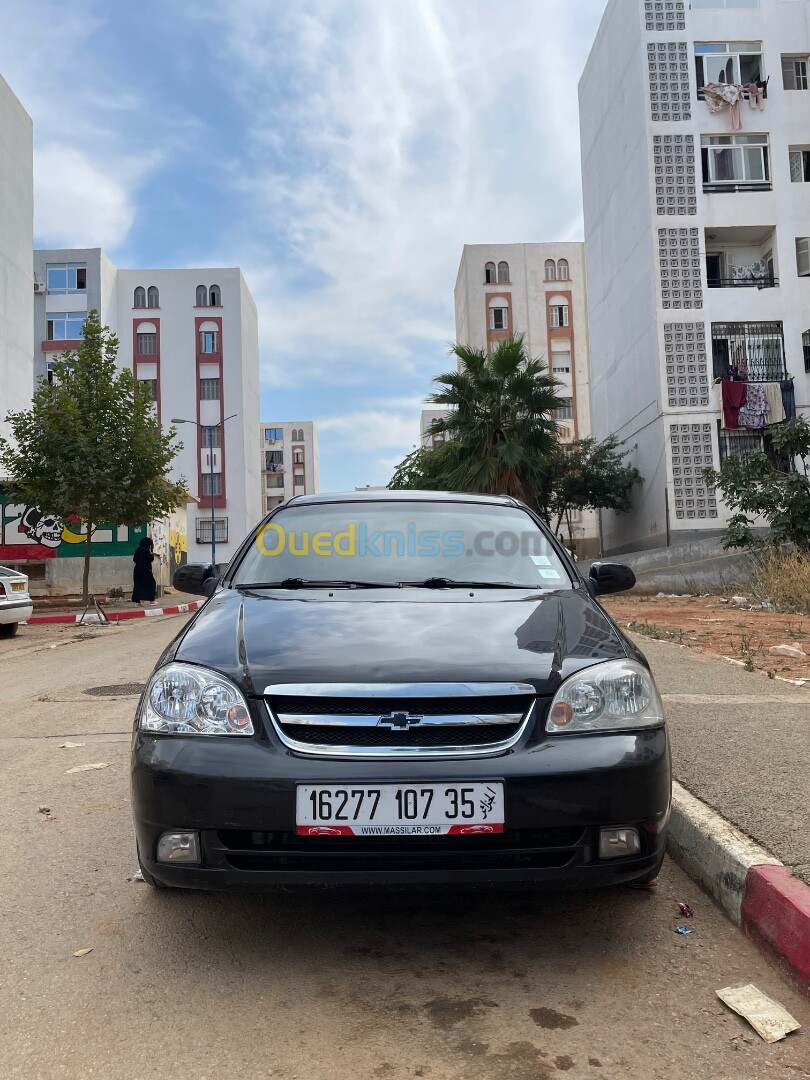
614,696
185,700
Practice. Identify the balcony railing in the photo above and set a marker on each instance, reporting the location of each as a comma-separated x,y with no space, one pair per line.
717,187
740,443
767,282
753,352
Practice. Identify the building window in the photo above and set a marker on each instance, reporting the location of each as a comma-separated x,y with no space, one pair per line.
147,344
794,72
751,351
550,270
707,5
152,297
499,317
209,341
806,349
273,434
204,530
735,162
66,325
489,273
503,273
139,297
273,460
565,410
561,363
298,457
738,62
148,387
559,315
562,270
209,481
800,164
202,296
209,389
274,481
66,278
212,436
803,255
214,296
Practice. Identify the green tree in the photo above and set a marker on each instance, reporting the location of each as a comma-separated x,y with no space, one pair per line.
422,470
90,447
768,487
499,426
585,475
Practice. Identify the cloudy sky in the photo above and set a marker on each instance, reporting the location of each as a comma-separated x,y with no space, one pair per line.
340,151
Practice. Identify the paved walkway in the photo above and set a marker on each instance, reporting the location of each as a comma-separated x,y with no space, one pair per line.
741,743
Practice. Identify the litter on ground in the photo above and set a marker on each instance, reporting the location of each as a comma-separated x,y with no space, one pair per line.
767,1017
90,767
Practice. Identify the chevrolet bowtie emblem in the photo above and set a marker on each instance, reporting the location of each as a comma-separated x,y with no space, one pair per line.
399,720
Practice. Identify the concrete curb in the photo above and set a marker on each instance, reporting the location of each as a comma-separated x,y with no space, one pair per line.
117,616
756,891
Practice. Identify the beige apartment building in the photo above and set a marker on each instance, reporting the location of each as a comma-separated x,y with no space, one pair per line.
289,461
537,290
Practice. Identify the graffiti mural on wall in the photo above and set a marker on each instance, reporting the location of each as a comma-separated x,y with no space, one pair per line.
27,532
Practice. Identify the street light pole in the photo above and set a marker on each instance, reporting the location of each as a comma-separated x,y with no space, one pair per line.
220,425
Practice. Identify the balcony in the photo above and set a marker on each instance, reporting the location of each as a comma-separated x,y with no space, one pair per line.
741,443
752,352
741,257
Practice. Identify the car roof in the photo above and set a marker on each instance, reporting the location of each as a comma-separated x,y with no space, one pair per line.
400,495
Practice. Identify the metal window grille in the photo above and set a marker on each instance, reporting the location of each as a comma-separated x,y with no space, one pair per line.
751,351
204,530
212,436
806,349
209,389
210,480
741,443
147,344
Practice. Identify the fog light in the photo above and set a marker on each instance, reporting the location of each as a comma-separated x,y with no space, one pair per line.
179,847
616,842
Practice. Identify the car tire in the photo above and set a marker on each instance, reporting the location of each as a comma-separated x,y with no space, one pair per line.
8,629
147,877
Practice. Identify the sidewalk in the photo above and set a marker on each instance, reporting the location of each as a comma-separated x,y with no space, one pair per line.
170,604
741,745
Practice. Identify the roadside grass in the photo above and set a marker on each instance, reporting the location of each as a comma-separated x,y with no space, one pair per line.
783,577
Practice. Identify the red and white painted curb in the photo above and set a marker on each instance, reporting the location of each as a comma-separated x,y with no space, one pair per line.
117,616
756,890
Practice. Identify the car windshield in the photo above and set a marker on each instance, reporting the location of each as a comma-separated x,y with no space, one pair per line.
409,542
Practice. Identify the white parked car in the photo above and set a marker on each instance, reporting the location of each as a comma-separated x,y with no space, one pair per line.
15,603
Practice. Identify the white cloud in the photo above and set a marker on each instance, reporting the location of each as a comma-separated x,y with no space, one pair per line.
76,203
384,136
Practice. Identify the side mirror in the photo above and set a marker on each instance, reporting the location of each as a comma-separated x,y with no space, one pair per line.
610,577
198,579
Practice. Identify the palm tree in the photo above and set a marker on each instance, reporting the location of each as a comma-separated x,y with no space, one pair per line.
500,424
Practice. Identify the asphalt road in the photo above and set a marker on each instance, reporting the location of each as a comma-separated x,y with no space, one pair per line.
741,743
447,986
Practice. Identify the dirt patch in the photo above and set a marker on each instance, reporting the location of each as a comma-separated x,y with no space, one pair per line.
717,625
551,1019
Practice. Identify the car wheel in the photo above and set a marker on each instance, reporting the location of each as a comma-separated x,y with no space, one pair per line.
147,877
8,629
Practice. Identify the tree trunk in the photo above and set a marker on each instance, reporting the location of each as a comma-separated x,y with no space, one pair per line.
86,575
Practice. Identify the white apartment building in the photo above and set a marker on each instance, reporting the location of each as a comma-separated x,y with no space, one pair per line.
191,338
537,290
16,243
695,133
289,461
426,418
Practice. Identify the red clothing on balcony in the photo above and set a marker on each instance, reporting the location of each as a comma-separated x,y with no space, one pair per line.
735,395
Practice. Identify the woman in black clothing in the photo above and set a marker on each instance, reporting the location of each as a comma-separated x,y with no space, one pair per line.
144,584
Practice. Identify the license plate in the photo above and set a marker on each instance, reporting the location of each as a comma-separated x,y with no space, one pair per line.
18,586
400,809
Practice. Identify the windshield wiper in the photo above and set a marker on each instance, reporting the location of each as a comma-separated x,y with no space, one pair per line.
452,583
315,583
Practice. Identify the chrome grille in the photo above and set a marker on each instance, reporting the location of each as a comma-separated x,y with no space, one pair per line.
400,719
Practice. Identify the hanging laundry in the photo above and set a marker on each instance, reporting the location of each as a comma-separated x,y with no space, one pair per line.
719,96
734,397
776,408
752,414
756,96
788,398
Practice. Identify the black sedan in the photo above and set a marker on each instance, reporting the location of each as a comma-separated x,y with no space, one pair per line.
395,688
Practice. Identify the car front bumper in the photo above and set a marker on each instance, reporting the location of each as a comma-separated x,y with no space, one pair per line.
239,795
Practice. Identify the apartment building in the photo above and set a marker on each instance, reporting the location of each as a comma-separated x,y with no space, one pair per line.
537,290
289,461
695,137
16,243
191,339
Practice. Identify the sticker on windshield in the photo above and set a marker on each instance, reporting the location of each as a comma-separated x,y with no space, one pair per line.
540,560
548,573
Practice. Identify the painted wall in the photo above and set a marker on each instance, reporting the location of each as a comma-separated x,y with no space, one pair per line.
16,242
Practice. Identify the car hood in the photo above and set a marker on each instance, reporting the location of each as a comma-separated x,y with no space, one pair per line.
261,638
